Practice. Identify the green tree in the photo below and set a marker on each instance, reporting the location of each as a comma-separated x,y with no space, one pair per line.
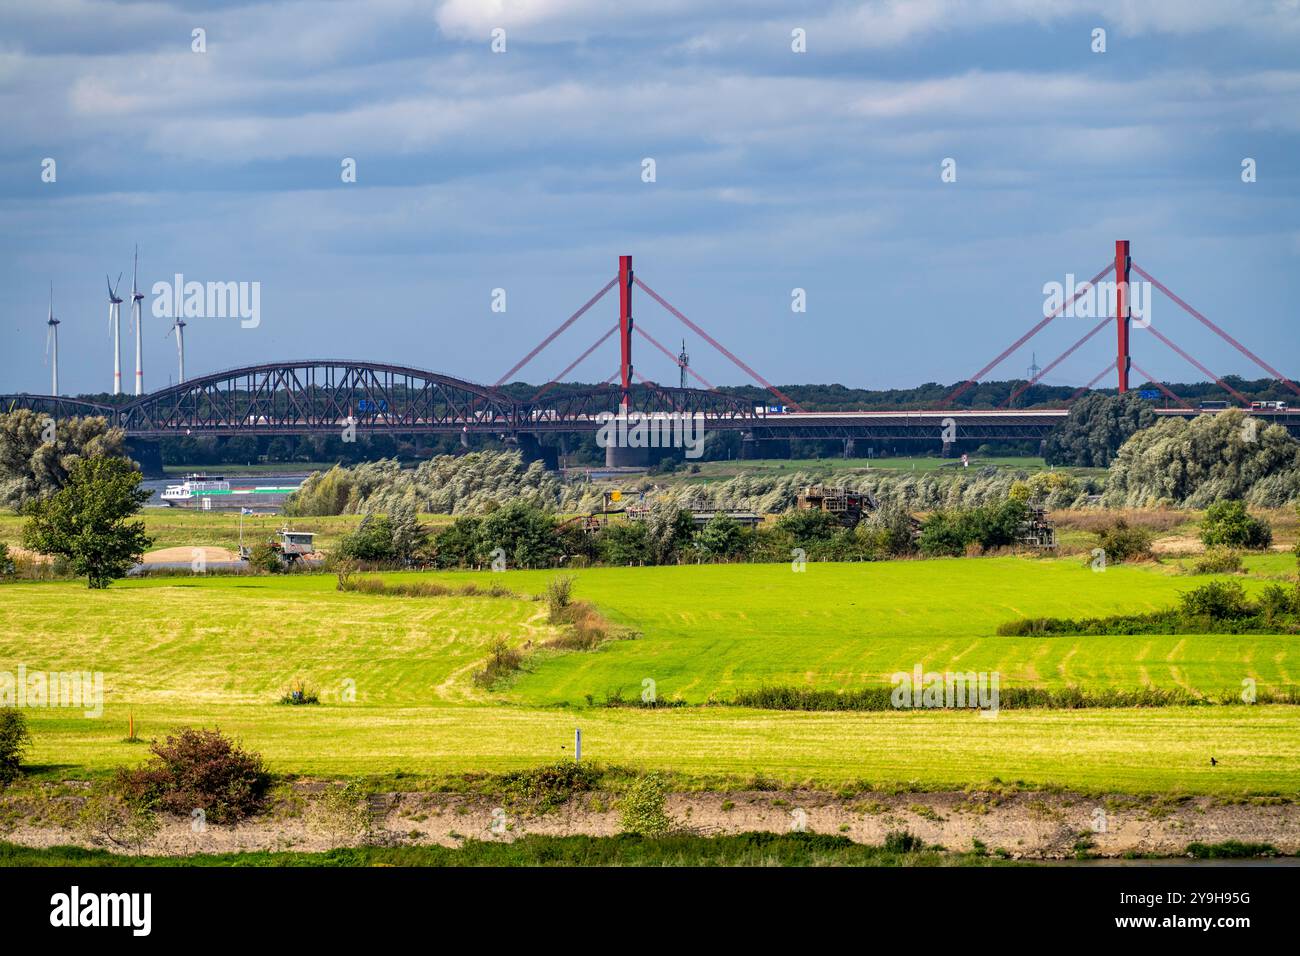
1193,463
808,526
86,521
372,541
722,537
38,453
14,739
526,534
410,537
1096,427
1229,523
943,534
623,544
456,546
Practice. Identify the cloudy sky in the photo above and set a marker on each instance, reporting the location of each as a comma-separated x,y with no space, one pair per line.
774,170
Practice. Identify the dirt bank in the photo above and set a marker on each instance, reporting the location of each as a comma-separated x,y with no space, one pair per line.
1026,825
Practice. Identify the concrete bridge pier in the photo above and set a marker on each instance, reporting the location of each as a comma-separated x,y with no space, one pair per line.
533,450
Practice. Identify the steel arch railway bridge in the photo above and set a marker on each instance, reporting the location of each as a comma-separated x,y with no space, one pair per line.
323,396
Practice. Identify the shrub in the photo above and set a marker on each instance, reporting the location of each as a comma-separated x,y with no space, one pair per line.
1218,560
14,739
543,789
6,562
504,662
372,541
559,595
263,557
625,544
343,813
942,535
1217,599
110,816
197,769
1228,523
1275,601
902,841
642,809
300,694
1122,541
1230,850
722,537
808,525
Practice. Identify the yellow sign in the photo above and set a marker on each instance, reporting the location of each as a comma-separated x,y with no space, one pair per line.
616,496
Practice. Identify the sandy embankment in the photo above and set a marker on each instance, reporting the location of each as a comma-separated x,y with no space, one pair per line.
1027,825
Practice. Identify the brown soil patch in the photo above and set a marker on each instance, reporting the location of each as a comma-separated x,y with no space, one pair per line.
1026,825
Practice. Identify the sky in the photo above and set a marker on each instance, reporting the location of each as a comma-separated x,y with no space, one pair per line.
796,146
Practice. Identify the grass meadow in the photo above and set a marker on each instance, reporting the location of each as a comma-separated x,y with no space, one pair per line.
221,651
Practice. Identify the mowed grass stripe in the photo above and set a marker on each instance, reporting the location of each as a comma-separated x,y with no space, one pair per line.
1138,751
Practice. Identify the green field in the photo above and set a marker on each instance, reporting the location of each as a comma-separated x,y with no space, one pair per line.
222,650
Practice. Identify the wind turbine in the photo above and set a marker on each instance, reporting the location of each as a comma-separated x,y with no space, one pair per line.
115,323
52,340
179,326
136,297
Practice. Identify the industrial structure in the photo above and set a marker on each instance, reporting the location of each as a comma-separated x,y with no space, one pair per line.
847,507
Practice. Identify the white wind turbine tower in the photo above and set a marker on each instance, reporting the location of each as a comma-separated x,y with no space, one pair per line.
115,322
136,297
52,346
179,326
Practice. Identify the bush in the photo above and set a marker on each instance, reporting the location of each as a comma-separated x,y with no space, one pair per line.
559,595
343,813
14,739
372,541
110,816
525,533
722,537
902,841
1218,599
503,663
1275,602
198,770
6,562
1122,541
1228,523
625,544
263,557
1230,850
641,811
807,526
953,533
543,789
300,694
1218,560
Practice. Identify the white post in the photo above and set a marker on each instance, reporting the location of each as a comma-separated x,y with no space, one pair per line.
577,745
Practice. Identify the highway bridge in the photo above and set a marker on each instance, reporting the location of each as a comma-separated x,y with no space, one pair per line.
352,398
322,396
